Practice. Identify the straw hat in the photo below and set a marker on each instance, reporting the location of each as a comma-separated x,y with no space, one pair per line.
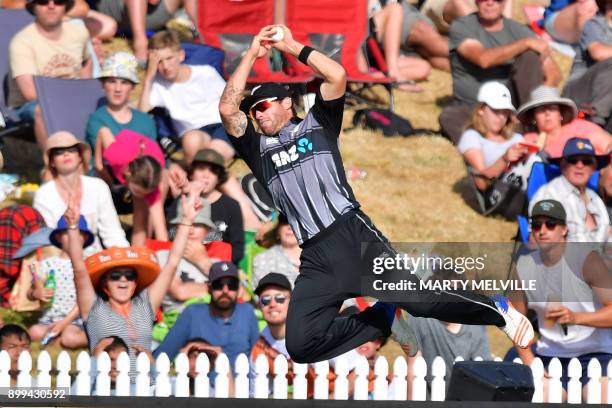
66,139
141,259
546,95
122,65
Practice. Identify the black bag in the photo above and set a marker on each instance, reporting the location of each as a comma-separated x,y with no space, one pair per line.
383,119
506,198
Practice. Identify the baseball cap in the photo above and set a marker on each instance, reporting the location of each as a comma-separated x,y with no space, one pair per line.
220,270
583,147
549,208
262,92
273,279
496,95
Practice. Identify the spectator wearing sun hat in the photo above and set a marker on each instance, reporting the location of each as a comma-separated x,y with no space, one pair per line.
67,160
60,317
119,76
587,216
550,121
119,289
50,47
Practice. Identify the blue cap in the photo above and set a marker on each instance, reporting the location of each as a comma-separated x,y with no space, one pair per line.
62,225
579,146
33,241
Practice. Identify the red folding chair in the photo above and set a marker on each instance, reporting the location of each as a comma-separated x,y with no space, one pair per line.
231,26
338,28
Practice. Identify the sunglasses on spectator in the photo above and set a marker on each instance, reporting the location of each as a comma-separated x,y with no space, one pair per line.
232,284
116,275
550,225
587,161
261,106
59,151
280,299
46,2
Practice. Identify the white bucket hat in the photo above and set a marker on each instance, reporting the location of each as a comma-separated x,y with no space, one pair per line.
121,65
546,95
496,95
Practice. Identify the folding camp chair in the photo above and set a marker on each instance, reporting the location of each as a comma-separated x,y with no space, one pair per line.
231,26
338,28
67,103
11,21
541,174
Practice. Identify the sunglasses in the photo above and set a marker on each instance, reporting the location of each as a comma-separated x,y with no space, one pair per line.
550,225
232,284
261,106
116,275
46,2
280,299
59,151
587,161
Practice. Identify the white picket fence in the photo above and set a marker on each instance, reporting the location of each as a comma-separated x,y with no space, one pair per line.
396,388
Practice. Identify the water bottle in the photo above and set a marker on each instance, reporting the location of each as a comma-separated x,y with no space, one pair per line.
50,282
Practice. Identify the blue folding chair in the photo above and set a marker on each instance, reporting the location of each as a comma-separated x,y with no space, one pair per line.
541,174
67,103
11,21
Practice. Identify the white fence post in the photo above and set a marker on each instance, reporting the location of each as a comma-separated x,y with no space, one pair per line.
280,383
103,382
362,382
63,368
419,386
43,365
300,383
381,386
202,382
5,366
537,370
162,380
83,380
574,386
181,382
241,383
555,389
399,384
122,382
438,386
321,383
341,385
261,377
24,365
222,369
594,384
143,380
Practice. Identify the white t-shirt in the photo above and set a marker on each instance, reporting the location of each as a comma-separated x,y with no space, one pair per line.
193,103
491,151
96,206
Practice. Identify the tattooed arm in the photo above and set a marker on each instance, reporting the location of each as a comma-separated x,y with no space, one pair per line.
234,120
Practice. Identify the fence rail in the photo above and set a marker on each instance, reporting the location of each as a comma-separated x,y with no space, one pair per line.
387,385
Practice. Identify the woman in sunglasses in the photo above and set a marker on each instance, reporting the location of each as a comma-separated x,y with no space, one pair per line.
119,289
67,162
550,121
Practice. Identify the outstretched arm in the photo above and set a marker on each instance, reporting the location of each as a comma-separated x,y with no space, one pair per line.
191,207
234,120
86,294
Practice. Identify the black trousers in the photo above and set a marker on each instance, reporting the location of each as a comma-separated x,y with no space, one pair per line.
331,272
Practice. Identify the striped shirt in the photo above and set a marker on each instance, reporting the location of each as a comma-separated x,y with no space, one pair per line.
302,169
103,322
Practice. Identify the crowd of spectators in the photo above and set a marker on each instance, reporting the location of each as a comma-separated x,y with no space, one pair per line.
178,287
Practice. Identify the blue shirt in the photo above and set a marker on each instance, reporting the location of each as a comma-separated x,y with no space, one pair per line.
235,335
140,122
